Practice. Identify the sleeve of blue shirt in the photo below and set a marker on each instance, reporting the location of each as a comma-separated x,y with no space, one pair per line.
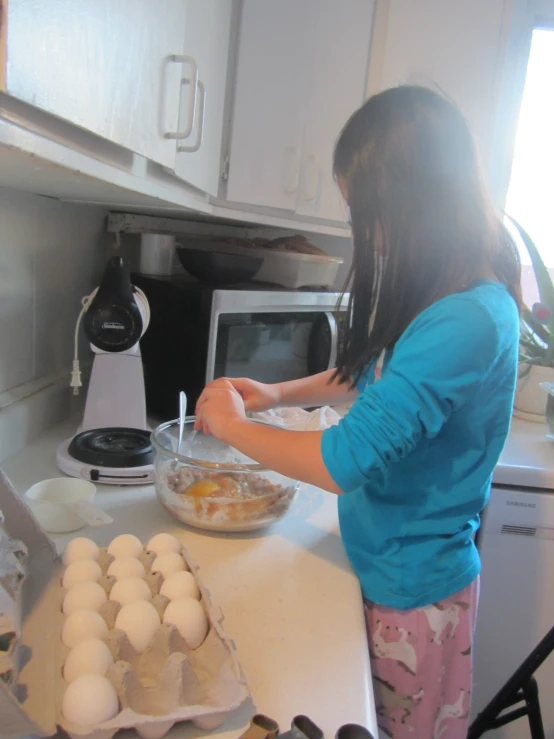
435,367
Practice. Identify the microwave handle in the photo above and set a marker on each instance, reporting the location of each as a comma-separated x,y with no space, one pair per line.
334,340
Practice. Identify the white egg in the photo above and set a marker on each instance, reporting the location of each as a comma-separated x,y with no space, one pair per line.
80,548
90,657
90,700
129,590
168,563
188,616
180,585
126,545
162,543
84,570
140,621
81,625
88,595
126,567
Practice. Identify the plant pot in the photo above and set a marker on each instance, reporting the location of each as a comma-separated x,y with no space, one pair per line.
530,400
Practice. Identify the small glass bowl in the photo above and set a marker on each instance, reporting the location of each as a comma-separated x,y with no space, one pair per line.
210,485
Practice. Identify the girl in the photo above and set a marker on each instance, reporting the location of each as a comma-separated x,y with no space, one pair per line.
429,361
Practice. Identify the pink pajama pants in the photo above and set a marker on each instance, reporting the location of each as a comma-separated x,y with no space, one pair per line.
421,665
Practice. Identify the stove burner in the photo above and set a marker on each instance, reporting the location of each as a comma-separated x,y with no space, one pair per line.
112,447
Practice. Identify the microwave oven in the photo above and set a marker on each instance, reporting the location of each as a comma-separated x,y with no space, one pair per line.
198,333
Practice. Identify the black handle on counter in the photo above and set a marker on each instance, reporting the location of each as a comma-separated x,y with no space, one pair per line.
353,731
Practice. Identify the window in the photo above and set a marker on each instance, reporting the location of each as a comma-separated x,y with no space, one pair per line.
530,198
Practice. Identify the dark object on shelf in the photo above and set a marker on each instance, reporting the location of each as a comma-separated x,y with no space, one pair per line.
217,267
522,687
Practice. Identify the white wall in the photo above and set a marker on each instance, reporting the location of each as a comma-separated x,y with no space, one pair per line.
455,46
473,50
51,254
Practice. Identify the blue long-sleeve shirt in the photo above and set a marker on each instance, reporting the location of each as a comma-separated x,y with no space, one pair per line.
414,456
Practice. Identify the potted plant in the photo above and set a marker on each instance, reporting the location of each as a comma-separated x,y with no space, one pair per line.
536,355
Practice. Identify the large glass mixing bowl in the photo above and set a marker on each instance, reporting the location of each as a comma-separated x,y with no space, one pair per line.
210,485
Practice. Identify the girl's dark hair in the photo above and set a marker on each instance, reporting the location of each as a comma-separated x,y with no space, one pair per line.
423,226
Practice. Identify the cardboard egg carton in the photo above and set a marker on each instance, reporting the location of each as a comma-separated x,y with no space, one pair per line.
158,688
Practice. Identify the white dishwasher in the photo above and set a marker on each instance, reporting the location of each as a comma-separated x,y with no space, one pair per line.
516,544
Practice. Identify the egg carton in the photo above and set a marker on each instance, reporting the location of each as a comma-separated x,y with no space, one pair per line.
8,646
166,684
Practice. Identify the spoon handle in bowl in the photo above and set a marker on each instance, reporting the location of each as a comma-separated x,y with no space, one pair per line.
182,417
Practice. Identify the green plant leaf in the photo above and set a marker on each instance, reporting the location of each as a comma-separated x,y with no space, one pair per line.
544,283
525,372
533,351
528,353
526,333
536,327
529,338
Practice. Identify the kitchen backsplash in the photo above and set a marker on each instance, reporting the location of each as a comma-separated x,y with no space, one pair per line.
51,254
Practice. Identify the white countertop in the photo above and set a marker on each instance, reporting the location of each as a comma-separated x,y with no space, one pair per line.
291,601
528,457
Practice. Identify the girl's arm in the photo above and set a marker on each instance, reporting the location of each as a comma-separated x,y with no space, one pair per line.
309,391
437,367
296,454
319,389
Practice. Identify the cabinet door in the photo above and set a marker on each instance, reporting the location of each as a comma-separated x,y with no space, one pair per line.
336,89
273,66
208,26
105,66
3,42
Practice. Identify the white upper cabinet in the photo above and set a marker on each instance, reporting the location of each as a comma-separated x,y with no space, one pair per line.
336,89
301,71
112,68
269,105
207,32
151,76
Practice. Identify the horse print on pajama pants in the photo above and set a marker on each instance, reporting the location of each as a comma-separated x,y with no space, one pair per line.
421,664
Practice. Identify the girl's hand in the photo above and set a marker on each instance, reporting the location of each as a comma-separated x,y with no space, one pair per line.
218,407
256,395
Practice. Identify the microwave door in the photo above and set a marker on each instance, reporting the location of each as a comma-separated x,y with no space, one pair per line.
323,346
274,347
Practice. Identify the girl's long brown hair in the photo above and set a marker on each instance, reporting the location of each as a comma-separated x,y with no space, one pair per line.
423,225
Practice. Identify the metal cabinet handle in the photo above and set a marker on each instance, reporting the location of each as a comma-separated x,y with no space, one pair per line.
200,134
292,170
333,349
192,80
311,182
